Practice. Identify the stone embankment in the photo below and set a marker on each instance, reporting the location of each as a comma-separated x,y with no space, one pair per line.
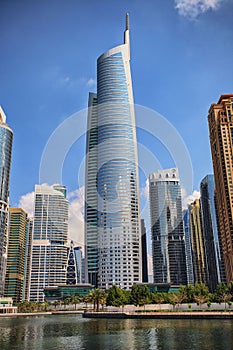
162,315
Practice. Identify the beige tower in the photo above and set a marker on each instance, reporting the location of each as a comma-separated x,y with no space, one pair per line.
221,140
197,242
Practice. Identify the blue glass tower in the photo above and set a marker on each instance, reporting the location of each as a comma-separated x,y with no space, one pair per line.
6,138
117,233
168,248
212,240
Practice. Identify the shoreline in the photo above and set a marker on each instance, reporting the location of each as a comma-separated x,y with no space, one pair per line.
162,315
43,313
131,315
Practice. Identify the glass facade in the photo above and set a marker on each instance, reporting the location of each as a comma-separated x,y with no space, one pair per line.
197,242
188,248
168,248
79,264
6,138
17,255
115,207
50,233
212,243
91,197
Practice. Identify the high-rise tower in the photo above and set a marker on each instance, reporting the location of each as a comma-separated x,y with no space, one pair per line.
15,281
221,140
6,137
197,242
113,242
168,248
213,249
50,233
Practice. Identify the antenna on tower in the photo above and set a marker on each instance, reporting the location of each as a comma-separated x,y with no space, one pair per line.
126,34
127,21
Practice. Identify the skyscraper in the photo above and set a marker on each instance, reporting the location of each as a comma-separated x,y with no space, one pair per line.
113,242
6,138
197,242
168,248
49,246
29,257
17,255
215,272
188,248
144,253
91,194
79,264
220,120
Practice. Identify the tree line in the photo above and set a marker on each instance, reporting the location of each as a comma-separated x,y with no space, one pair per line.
140,295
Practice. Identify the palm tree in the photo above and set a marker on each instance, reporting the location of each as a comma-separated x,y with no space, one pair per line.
97,296
76,300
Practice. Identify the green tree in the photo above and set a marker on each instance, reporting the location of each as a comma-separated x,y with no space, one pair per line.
178,298
140,295
201,293
188,292
56,303
75,299
116,297
223,294
66,301
230,288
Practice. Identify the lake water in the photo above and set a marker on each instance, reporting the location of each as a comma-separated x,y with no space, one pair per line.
61,332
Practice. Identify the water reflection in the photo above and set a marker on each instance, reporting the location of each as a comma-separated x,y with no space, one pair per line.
73,332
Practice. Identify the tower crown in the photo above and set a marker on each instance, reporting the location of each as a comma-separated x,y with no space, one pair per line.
2,116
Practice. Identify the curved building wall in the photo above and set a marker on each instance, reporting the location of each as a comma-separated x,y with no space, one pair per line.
118,200
6,138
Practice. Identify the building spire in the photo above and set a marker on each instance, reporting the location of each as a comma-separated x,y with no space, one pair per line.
126,34
127,21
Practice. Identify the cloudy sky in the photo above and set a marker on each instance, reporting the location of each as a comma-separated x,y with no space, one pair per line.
181,61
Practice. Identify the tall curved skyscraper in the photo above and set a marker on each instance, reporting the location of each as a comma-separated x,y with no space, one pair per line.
6,137
112,195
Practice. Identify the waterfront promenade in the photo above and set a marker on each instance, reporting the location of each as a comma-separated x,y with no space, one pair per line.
162,315
223,314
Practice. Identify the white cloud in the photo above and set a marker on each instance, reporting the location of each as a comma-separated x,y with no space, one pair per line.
91,82
145,190
192,8
188,199
76,217
26,202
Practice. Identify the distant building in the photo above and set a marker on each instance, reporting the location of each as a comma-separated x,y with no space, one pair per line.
61,292
79,263
215,272
71,275
6,306
168,248
28,258
220,120
83,271
197,242
17,255
144,252
6,138
188,248
49,246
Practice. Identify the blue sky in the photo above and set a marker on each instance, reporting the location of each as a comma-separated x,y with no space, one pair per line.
181,62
